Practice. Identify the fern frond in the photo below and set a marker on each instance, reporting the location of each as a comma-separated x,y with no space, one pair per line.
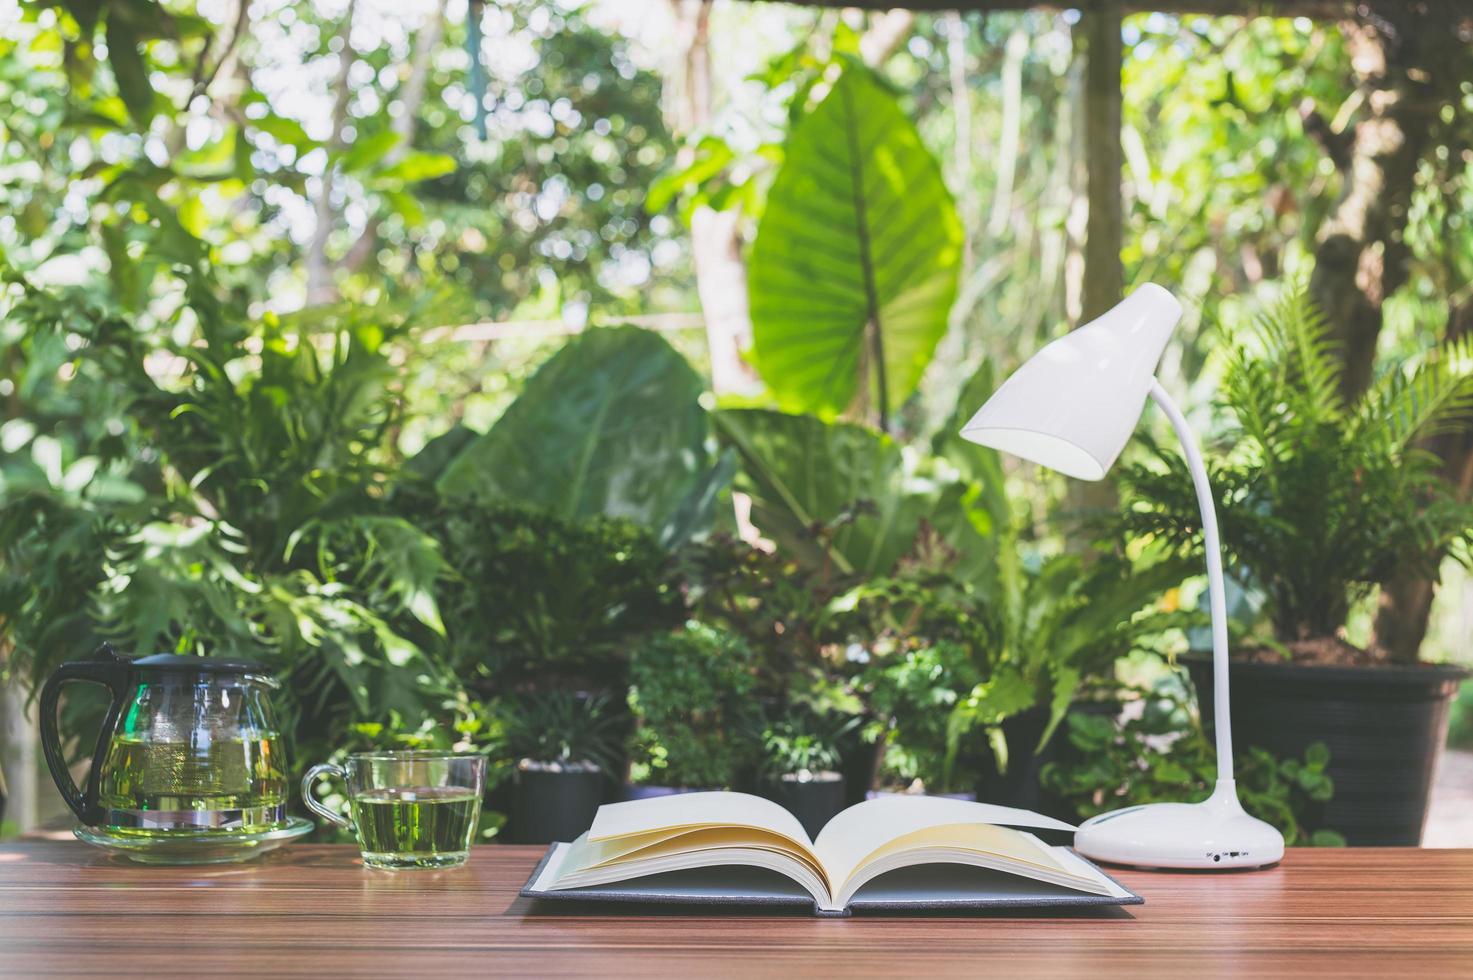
1255,398
1435,397
1300,346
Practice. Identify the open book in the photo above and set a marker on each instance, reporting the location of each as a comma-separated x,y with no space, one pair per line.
893,852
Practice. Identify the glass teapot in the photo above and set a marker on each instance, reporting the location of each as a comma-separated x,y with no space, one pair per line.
189,745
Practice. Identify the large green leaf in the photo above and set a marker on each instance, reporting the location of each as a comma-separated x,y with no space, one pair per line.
611,424
856,255
805,475
1001,576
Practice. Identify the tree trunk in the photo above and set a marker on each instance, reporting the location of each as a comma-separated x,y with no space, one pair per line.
961,119
1104,275
716,243
1408,60
716,240
886,33
1014,54
1361,257
320,287
721,284
19,754
1406,600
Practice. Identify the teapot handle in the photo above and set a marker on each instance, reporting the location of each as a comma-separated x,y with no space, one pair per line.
114,673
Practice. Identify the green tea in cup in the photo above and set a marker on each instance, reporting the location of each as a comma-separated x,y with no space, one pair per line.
409,809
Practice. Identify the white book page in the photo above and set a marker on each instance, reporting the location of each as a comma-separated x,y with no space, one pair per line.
689,810
858,832
946,883
1054,872
565,870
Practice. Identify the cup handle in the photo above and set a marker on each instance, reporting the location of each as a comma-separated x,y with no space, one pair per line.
313,774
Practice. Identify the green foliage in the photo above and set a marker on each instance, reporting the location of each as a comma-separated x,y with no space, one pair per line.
855,264
945,661
883,506
917,689
917,648
610,425
181,468
229,506
930,656
578,124
1229,179
691,693
803,742
1163,756
1071,620
1460,719
780,610
533,597
564,728
1318,501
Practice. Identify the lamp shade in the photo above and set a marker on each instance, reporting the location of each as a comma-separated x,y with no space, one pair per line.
1072,406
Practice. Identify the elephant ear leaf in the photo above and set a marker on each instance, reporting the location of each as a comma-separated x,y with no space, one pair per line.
804,475
855,265
610,425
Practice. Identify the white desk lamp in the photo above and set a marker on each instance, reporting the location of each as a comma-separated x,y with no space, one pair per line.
1071,407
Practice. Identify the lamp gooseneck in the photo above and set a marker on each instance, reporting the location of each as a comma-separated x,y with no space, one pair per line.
1217,832
1216,593
1072,407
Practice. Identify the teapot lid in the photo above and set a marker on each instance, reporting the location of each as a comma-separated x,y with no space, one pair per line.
176,663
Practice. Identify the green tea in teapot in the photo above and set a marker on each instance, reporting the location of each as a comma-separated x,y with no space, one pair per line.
240,779
189,747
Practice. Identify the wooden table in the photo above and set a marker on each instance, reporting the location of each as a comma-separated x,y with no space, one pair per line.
312,910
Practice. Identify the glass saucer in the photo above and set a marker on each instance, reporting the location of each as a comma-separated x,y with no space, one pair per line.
191,848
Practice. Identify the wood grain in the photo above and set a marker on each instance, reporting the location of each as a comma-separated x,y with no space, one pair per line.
312,909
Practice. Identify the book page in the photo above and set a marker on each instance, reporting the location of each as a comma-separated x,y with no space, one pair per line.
951,885
593,855
1013,852
570,868
685,811
862,830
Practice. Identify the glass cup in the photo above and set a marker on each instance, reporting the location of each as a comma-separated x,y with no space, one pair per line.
409,809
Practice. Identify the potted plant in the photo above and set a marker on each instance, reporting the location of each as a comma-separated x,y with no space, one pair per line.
1320,500
695,718
780,608
974,688
541,601
1073,618
564,745
1160,754
800,767
914,689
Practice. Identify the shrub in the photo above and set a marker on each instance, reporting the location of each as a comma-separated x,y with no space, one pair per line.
691,693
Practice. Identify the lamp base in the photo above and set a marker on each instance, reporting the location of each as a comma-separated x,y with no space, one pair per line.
1214,835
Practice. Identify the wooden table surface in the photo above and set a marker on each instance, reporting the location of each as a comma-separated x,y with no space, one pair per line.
313,910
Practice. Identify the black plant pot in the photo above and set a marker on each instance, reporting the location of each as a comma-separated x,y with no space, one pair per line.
881,794
551,802
1020,785
1384,727
812,797
859,764
644,791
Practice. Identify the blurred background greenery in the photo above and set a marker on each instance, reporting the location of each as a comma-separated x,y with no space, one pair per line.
277,276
